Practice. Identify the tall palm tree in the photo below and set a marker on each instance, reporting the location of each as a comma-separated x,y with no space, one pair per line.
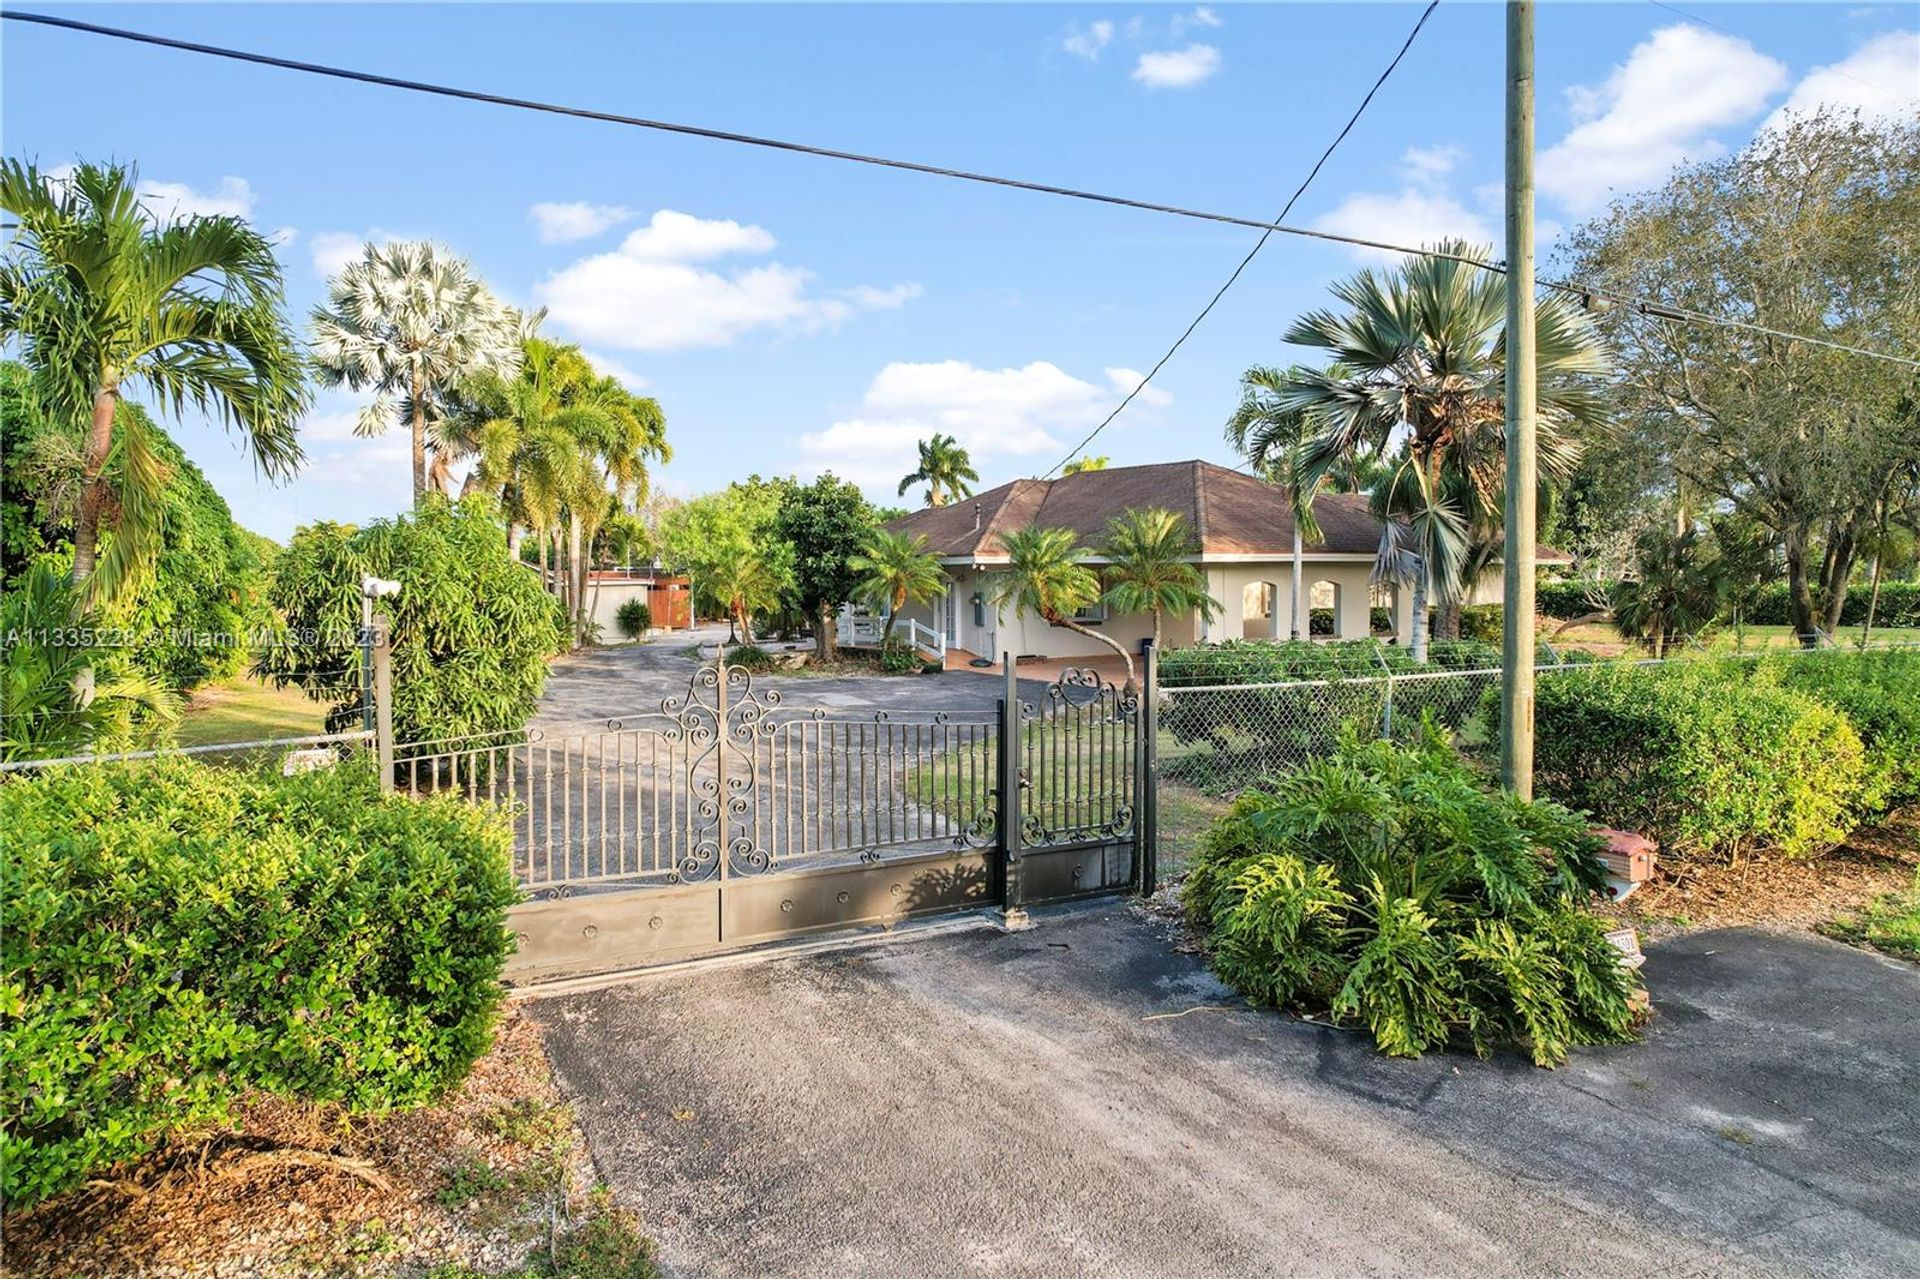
103,300
1422,351
409,321
898,569
1270,436
1150,569
1045,575
945,469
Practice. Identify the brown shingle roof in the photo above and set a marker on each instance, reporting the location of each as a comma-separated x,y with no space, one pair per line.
1230,513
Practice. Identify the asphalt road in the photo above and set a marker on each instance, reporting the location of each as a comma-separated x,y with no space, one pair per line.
981,1103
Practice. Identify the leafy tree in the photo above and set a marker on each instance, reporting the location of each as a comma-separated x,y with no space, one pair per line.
1421,351
1085,462
827,524
706,536
1679,588
103,301
897,569
1046,575
472,630
945,469
1149,569
409,321
746,585
1813,228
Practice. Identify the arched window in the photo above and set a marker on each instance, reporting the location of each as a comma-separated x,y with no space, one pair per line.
1256,610
1325,610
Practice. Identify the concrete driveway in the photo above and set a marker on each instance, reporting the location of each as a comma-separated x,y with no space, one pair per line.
1043,1103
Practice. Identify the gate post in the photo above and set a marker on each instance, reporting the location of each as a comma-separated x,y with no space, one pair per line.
1146,826
1013,909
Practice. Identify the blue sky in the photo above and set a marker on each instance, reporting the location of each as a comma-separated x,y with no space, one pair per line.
795,314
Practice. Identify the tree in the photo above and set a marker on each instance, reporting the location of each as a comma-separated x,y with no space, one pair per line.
945,469
705,535
1271,436
897,569
1421,352
742,578
1046,575
1150,569
1813,228
103,301
1085,462
1679,588
827,524
408,321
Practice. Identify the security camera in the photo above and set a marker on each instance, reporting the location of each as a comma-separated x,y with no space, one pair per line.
378,587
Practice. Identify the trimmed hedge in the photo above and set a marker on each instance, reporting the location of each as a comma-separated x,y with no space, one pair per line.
1699,755
1878,690
179,934
1899,605
1384,888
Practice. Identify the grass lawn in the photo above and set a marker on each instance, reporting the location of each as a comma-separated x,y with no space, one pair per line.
1601,637
248,710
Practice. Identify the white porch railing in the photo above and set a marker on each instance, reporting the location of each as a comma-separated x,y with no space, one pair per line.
866,631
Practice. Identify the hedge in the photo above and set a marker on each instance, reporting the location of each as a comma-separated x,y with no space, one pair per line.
1771,606
180,934
1699,755
1878,690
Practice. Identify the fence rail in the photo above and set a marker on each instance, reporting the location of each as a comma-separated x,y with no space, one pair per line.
868,632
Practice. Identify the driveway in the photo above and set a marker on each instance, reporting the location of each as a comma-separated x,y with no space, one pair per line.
1044,1103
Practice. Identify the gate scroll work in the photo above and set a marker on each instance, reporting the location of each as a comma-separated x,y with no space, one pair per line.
729,818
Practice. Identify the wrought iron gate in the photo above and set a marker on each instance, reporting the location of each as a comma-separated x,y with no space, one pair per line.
729,818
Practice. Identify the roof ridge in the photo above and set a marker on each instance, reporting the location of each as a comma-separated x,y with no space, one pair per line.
1200,526
990,527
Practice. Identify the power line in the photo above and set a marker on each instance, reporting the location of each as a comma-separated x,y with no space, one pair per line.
1577,289
1258,244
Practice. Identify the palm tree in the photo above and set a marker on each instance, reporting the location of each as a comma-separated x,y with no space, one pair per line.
1679,587
1045,575
1150,569
102,300
945,469
1423,350
748,586
1270,436
411,320
897,569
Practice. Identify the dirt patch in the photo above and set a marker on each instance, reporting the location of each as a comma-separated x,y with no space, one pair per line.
495,1173
1779,892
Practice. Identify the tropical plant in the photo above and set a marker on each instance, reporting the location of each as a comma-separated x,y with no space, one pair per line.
1046,575
634,618
1085,462
748,586
1679,588
1150,568
1381,887
1422,351
945,469
824,525
1270,435
897,569
409,320
702,534
103,300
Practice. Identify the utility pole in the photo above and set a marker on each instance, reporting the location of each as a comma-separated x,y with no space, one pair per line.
1516,675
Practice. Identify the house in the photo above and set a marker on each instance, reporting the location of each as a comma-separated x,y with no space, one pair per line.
1244,530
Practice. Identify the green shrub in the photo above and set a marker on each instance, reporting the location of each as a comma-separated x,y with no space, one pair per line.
1484,624
178,934
1878,690
472,630
633,618
1564,601
750,657
898,658
1382,887
1899,605
1698,755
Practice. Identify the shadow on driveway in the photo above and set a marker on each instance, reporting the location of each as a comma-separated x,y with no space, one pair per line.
981,1103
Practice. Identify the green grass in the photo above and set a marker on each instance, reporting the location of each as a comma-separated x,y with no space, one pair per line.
1603,636
1889,923
247,710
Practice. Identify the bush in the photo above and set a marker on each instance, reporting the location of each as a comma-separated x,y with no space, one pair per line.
633,618
898,658
1564,601
1484,624
750,657
471,629
1383,888
178,934
1899,605
1698,755
1879,693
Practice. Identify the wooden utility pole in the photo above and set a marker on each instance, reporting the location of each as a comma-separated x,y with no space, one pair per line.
1516,675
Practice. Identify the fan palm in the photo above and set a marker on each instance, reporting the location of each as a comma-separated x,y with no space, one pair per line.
1422,350
897,569
102,300
748,586
409,321
1046,575
1679,588
945,469
1150,569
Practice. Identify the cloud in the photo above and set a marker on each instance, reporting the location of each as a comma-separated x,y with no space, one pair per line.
1869,80
1655,111
565,222
333,251
172,201
1177,68
1124,380
1422,211
1428,166
996,414
1201,17
1087,42
619,372
649,295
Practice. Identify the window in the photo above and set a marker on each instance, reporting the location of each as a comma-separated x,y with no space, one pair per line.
1092,615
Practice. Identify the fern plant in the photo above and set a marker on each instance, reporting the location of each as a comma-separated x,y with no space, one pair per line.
1383,887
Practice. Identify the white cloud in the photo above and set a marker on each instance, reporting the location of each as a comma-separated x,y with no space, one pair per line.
1411,216
619,372
1657,110
1124,380
1177,68
332,251
1880,80
648,296
1087,42
670,236
561,223
1200,17
1430,165
172,201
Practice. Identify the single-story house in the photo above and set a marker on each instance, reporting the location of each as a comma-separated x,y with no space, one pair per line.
1244,530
